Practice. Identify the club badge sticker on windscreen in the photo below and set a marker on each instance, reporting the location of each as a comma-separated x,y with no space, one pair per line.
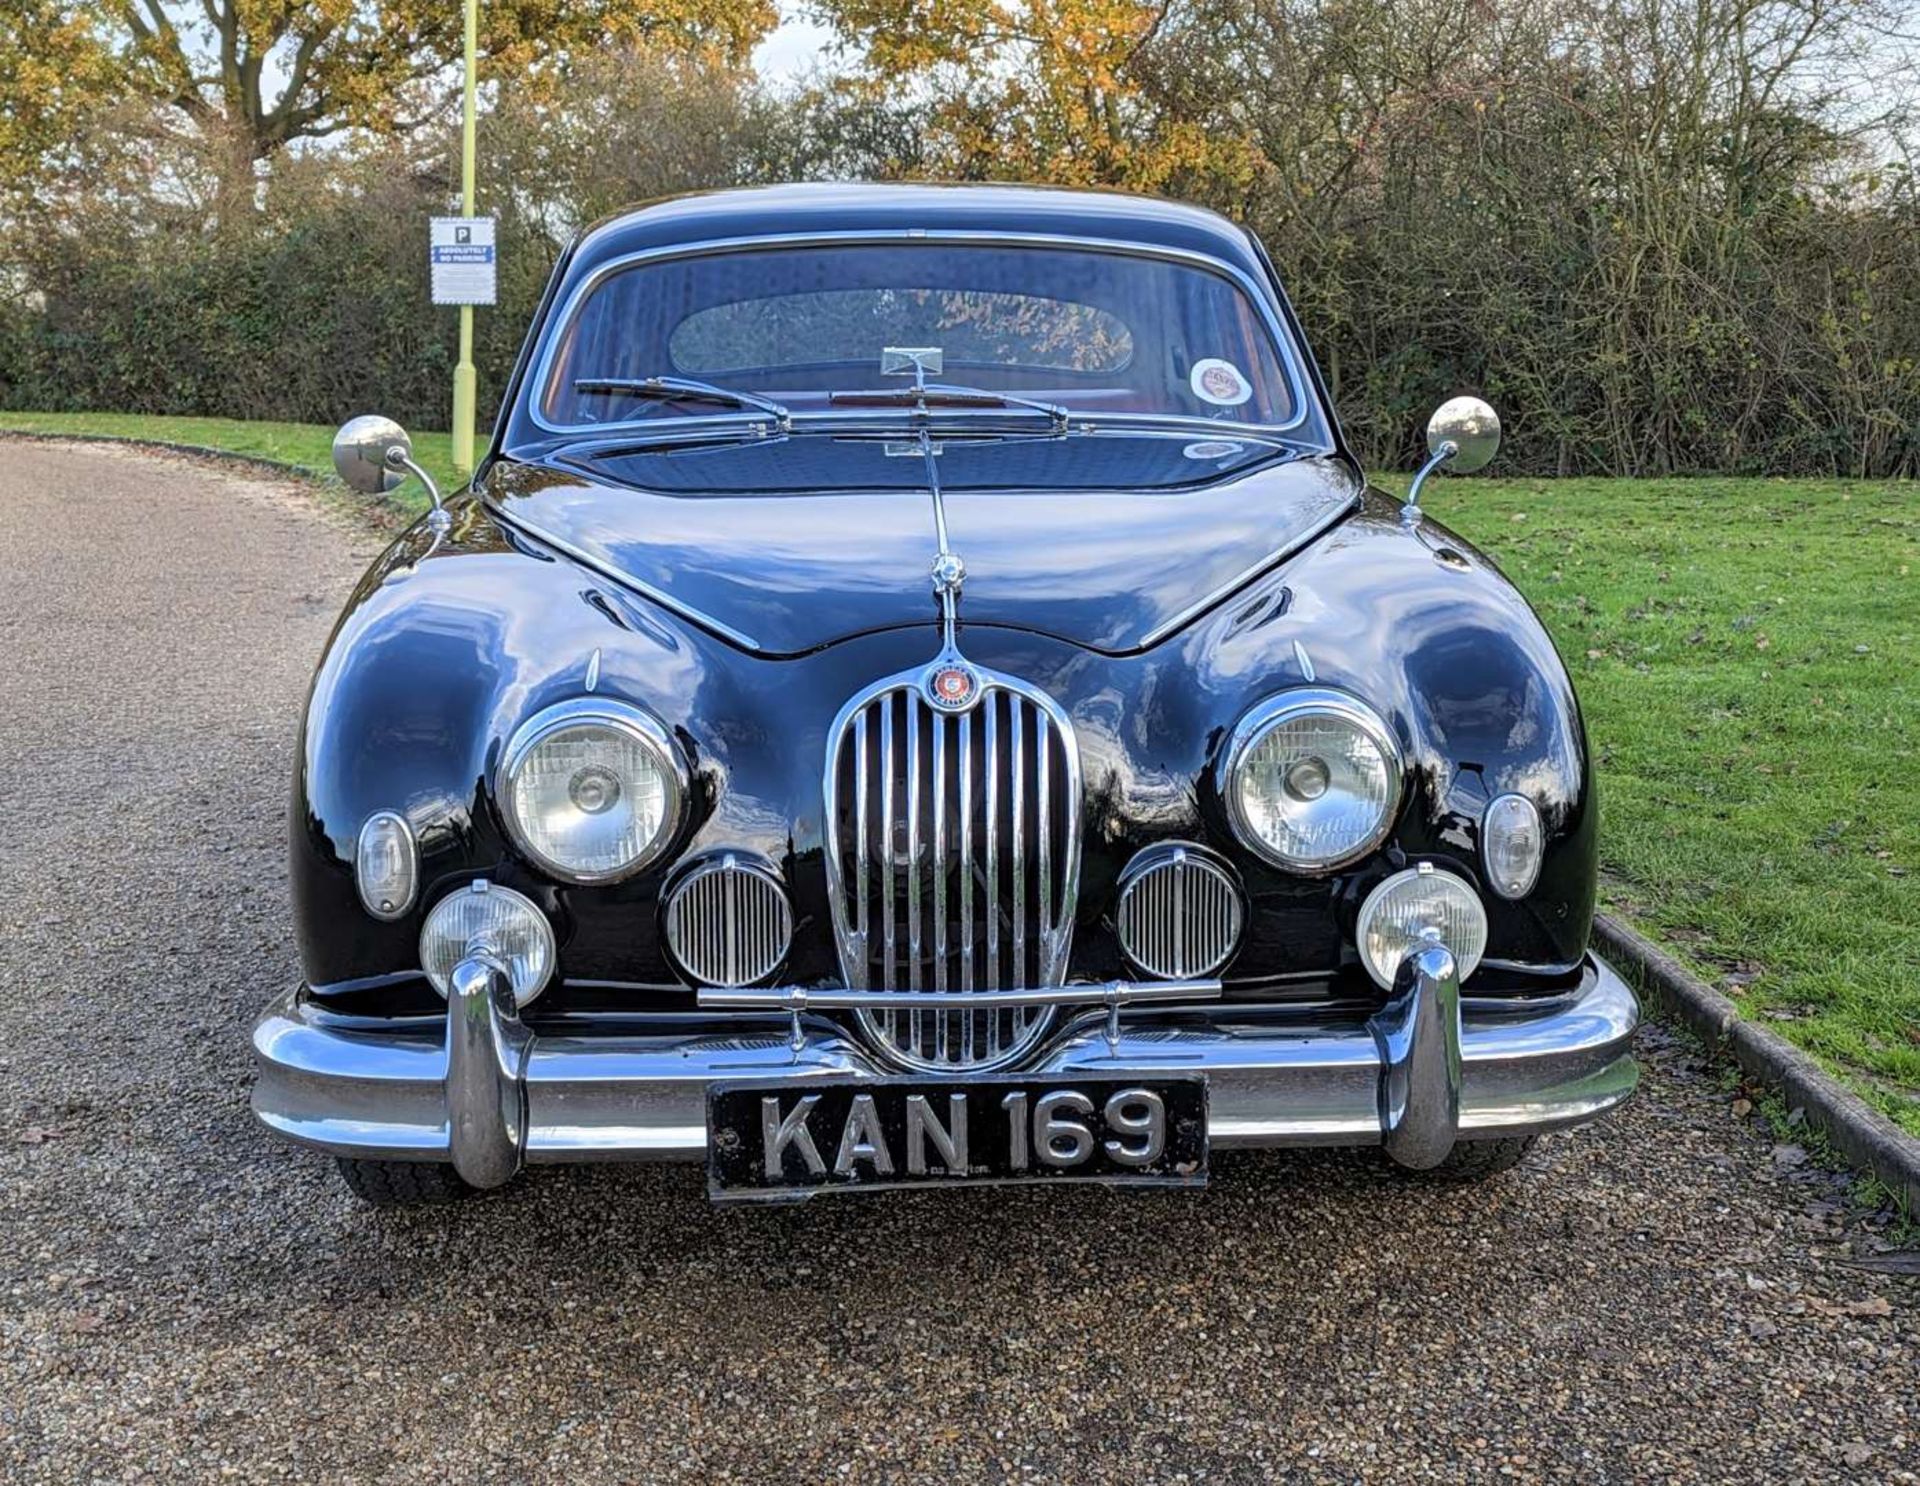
1219,382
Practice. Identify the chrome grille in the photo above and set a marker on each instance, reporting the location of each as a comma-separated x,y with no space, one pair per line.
1180,912
728,923
954,862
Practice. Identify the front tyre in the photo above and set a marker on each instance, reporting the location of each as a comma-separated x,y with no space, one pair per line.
402,1183
1476,1160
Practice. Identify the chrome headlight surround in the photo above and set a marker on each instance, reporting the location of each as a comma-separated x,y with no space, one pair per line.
1292,706
635,726
485,918
1422,901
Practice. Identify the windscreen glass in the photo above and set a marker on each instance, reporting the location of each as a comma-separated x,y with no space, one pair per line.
1098,331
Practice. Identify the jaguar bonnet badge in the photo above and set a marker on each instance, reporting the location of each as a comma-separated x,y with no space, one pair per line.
951,684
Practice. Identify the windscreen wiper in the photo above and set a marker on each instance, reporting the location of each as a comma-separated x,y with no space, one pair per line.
946,395
678,389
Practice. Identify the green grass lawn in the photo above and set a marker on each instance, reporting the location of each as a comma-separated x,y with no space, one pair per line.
304,446
1746,654
1745,651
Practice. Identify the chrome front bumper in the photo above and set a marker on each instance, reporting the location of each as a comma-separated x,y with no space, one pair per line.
489,1095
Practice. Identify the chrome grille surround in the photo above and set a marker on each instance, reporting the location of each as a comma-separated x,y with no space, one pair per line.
953,861
1180,912
728,922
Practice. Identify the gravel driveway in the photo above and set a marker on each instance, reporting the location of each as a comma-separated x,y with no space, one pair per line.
1668,1295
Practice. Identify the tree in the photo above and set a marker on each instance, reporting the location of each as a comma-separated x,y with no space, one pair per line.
1033,89
55,69
252,76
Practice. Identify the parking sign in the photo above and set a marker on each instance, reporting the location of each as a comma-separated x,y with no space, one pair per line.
461,255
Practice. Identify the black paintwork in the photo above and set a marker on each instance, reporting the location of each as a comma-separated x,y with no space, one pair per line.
1078,549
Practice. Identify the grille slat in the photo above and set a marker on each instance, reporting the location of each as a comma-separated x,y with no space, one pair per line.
969,805
1018,784
888,851
863,767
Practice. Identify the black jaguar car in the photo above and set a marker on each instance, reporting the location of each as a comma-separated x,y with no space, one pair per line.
920,692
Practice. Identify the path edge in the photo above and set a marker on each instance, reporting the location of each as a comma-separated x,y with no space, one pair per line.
1859,1132
382,511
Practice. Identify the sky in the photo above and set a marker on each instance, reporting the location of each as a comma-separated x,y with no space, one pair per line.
792,48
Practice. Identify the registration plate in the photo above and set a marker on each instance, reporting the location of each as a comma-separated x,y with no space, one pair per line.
782,1141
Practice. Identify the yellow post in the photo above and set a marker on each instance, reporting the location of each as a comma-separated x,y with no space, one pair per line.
464,385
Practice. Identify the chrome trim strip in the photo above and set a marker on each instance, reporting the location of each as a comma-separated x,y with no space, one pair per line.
1017,784
889,854
558,324
862,762
1050,969
625,579
991,763
912,701
940,813
1246,576
966,875
833,998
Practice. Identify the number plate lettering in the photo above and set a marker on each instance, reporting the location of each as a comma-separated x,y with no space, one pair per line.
778,1141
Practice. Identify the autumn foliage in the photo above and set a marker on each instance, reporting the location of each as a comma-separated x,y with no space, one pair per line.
1664,235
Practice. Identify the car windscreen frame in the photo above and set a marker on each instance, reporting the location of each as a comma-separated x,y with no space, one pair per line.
1308,419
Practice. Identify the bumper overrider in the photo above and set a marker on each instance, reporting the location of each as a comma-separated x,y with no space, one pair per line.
487,1094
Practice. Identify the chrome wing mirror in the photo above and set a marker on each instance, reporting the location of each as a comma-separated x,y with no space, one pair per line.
1463,435
373,455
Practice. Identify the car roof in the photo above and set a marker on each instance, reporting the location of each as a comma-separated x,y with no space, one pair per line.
825,209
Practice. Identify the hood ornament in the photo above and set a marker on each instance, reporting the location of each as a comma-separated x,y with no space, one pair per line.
951,684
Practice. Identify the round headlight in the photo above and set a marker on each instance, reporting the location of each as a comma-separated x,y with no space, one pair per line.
591,789
497,921
1409,906
1512,840
1313,779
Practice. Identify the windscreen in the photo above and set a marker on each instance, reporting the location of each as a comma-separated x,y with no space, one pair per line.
1099,331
